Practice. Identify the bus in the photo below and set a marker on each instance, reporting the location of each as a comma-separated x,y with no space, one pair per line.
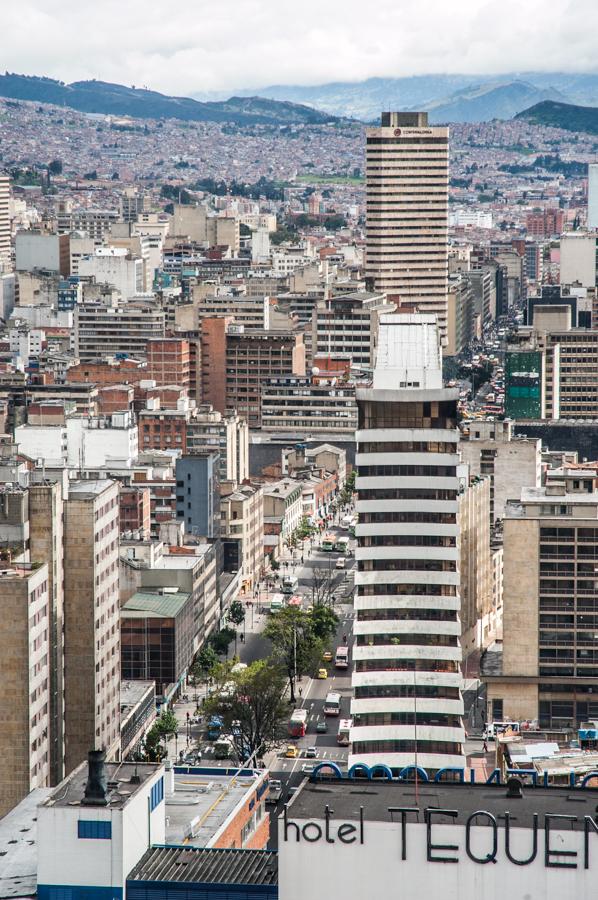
328,543
298,723
342,545
290,583
332,704
277,602
344,732
341,660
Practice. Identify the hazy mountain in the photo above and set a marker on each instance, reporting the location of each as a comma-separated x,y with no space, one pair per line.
563,115
119,100
455,98
482,103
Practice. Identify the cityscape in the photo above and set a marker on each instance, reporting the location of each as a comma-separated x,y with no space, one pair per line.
298,471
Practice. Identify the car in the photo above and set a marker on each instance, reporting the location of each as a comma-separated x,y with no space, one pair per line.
340,563
292,751
274,791
322,673
327,656
311,753
322,727
308,768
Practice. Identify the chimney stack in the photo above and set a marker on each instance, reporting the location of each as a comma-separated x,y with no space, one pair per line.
96,789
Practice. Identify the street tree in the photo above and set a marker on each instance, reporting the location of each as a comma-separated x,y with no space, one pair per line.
167,724
236,615
220,640
295,645
203,663
155,750
324,621
321,587
253,708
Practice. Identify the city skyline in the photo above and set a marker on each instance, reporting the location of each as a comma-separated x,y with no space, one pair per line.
188,55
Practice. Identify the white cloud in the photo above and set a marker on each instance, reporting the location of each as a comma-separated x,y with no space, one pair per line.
189,47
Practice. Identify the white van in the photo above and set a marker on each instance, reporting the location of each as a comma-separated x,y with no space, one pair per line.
494,728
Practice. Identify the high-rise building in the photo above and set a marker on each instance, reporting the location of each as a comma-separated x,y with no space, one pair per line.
549,666
407,172
24,670
593,195
4,223
406,654
91,615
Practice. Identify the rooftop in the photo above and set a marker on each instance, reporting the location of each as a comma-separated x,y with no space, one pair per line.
346,796
165,605
122,784
87,489
18,847
203,866
203,800
409,354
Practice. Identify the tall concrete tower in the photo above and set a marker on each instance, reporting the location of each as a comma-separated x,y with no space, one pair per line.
407,169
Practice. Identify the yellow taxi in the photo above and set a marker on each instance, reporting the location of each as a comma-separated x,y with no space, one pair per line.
292,751
322,673
327,655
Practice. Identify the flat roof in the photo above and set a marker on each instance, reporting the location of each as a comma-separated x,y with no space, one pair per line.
203,800
90,488
347,795
18,847
208,866
70,792
131,692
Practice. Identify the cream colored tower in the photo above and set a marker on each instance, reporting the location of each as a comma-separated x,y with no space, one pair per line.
407,169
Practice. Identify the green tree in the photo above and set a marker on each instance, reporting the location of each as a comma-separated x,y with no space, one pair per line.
295,645
254,710
153,746
236,615
55,167
324,622
167,723
203,663
221,640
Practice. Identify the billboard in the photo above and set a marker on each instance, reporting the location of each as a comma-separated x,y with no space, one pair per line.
523,384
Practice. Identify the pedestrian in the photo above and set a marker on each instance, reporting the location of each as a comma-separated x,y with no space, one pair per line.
301,692
485,746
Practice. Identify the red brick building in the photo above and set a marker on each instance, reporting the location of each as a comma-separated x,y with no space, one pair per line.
168,361
135,510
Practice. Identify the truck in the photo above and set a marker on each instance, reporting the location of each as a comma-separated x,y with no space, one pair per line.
274,791
223,748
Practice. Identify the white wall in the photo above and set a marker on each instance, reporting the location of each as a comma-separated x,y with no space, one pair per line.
578,259
376,869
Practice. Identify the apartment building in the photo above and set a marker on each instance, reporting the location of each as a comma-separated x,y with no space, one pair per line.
164,428
95,223
168,361
511,461
197,494
283,502
407,176
209,431
475,562
348,324
107,329
25,673
549,667
5,250
91,616
310,405
242,518
406,653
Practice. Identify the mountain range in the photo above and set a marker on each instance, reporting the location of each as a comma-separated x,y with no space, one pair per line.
119,100
563,115
448,98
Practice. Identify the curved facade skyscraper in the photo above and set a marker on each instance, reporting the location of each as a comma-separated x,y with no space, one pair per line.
407,682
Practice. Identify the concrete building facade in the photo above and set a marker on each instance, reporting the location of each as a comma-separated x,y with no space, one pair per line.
406,654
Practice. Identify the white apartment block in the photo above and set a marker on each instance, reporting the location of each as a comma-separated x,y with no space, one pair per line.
103,329
115,266
406,654
407,174
5,256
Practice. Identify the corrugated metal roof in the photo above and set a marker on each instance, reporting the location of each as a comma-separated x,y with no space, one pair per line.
207,866
161,605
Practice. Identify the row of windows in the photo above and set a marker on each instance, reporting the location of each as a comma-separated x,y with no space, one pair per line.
407,565
407,718
411,517
407,665
380,691
410,640
407,447
426,471
407,615
422,746
407,494
406,540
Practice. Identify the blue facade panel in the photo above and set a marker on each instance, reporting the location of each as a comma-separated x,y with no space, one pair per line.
77,892
181,890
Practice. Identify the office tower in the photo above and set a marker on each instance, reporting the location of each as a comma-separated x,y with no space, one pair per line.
4,223
133,202
407,173
113,328
24,672
197,495
46,545
91,614
348,324
406,653
549,666
593,195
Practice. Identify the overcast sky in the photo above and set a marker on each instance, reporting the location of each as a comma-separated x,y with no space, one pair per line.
185,47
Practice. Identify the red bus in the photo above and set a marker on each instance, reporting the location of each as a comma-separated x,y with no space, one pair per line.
298,723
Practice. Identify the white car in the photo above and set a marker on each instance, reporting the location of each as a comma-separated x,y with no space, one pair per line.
340,563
